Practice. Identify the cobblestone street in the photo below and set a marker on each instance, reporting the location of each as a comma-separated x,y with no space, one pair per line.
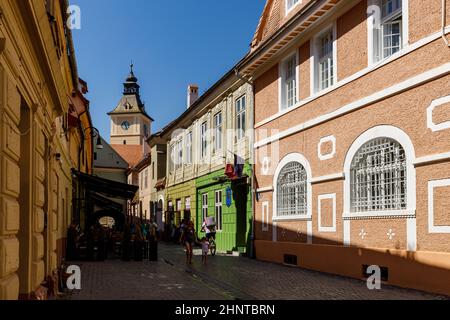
224,278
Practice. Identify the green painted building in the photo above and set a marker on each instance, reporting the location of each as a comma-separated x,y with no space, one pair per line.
230,203
181,202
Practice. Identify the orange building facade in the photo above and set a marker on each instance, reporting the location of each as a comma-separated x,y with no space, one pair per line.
352,138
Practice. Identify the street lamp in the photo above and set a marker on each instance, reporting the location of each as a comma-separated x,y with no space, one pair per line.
95,133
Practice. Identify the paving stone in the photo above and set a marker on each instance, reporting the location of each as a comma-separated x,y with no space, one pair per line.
223,278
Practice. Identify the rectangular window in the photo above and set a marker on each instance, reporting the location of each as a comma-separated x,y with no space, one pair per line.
178,205
240,118
146,179
289,82
265,216
204,139
325,60
290,4
188,203
153,170
204,206
179,154
172,158
218,132
189,148
388,36
218,210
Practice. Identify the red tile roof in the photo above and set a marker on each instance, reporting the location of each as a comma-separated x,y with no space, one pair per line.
131,153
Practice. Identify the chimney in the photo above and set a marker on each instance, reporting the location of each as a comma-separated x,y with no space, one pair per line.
192,95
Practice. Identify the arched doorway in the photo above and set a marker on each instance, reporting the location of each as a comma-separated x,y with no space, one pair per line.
108,216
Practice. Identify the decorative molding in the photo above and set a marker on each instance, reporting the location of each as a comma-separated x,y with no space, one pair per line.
265,216
347,233
320,199
432,158
401,214
430,110
309,232
331,177
378,96
431,186
411,234
264,189
403,52
324,140
266,166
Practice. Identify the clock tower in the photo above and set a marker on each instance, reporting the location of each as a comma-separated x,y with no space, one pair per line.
130,123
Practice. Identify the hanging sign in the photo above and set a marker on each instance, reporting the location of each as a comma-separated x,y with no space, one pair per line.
229,194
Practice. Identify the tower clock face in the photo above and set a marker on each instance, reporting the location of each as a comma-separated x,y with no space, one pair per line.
125,125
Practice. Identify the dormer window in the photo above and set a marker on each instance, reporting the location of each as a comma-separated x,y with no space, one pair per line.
291,4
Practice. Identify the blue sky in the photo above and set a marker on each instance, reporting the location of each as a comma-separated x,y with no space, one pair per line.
172,44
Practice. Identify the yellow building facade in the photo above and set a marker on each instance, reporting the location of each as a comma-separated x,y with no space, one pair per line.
38,84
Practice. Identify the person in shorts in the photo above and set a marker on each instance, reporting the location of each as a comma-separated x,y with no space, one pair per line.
188,239
205,249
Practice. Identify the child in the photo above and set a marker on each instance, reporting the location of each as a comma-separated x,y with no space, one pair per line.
205,249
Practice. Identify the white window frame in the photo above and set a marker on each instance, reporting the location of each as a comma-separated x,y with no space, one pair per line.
179,154
187,203
204,206
218,209
241,118
265,216
403,139
218,131
315,77
172,157
291,7
282,90
375,51
203,140
293,157
189,148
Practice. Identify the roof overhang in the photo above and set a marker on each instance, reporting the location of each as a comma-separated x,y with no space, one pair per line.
300,23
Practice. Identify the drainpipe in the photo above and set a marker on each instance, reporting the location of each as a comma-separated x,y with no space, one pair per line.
252,252
444,16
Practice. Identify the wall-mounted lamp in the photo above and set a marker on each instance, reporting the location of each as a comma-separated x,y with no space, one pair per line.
58,156
95,133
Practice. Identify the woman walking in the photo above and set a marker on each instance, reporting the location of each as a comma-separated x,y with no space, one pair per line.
188,239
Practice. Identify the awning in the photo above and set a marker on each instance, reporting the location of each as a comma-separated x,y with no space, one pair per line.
106,203
106,187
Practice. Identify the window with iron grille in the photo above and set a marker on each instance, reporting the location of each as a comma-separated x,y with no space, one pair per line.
292,191
378,177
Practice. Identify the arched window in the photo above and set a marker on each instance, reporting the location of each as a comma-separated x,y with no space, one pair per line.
292,190
379,177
